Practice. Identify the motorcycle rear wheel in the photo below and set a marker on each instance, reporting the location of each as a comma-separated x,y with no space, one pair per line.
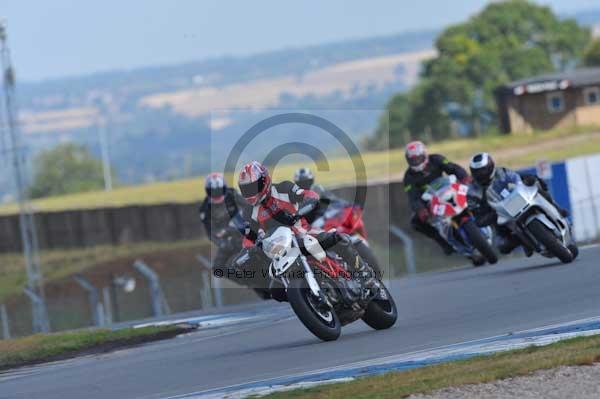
479,241
381,314
574,250
325,325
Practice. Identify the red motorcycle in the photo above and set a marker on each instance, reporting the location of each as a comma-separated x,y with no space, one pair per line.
347,218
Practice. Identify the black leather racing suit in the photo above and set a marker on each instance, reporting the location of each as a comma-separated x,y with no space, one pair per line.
416,183
224,224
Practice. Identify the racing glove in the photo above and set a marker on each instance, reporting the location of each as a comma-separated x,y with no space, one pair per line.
467,180
423,214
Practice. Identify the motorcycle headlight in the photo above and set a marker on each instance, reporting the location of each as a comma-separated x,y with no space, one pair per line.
275,247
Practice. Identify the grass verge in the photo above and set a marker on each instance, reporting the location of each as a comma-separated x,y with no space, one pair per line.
43,348
514,150
577,351
59,263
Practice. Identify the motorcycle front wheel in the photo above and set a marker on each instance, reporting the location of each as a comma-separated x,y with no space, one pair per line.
323,323
549,240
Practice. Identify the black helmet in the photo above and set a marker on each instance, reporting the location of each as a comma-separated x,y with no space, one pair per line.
304,178
482,168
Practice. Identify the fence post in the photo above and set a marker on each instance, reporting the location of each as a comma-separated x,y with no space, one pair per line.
95,304
108,317
160,306
39,306
409,248
215,283
4,320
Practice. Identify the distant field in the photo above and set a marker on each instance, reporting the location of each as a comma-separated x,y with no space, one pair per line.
516,150
343,77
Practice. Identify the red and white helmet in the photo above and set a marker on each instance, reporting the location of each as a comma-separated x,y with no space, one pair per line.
254,182
215,187
416,156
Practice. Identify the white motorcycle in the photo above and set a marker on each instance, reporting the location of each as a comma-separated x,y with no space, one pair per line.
324,291
534,220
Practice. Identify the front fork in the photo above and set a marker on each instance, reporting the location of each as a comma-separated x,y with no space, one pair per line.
313,284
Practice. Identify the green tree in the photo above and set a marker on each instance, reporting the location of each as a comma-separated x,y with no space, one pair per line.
67,168
591,57
506,41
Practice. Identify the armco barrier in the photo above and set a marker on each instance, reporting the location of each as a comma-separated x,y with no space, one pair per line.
168,222
106,226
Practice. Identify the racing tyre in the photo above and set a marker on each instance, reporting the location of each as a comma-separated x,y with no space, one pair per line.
549,240
324,324
574,250
479,241
477,260
381,312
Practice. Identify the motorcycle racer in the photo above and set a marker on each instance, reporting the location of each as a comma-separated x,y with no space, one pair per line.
484,171
276,204
423,169
221,214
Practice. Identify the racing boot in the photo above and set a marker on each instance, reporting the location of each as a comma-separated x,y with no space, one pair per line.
346,250
356,265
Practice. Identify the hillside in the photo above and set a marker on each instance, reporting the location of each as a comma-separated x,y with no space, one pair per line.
163,112
514,151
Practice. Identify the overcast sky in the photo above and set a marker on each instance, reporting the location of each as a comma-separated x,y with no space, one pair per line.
55,38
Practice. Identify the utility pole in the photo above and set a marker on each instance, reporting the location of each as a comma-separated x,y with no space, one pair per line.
105,154
35,289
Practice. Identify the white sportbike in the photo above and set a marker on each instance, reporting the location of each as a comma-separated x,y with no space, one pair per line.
532,218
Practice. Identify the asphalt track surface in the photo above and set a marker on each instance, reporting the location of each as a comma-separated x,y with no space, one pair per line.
435,309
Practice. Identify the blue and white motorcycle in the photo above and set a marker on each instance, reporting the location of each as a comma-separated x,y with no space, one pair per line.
532,218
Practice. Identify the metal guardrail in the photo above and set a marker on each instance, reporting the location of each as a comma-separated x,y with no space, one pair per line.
41,323
160,307
97,308
5,322
215,286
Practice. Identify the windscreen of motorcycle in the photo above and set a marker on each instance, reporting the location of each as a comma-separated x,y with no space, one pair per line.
502,186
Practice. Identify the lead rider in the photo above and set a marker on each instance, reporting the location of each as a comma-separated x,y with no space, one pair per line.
275,205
